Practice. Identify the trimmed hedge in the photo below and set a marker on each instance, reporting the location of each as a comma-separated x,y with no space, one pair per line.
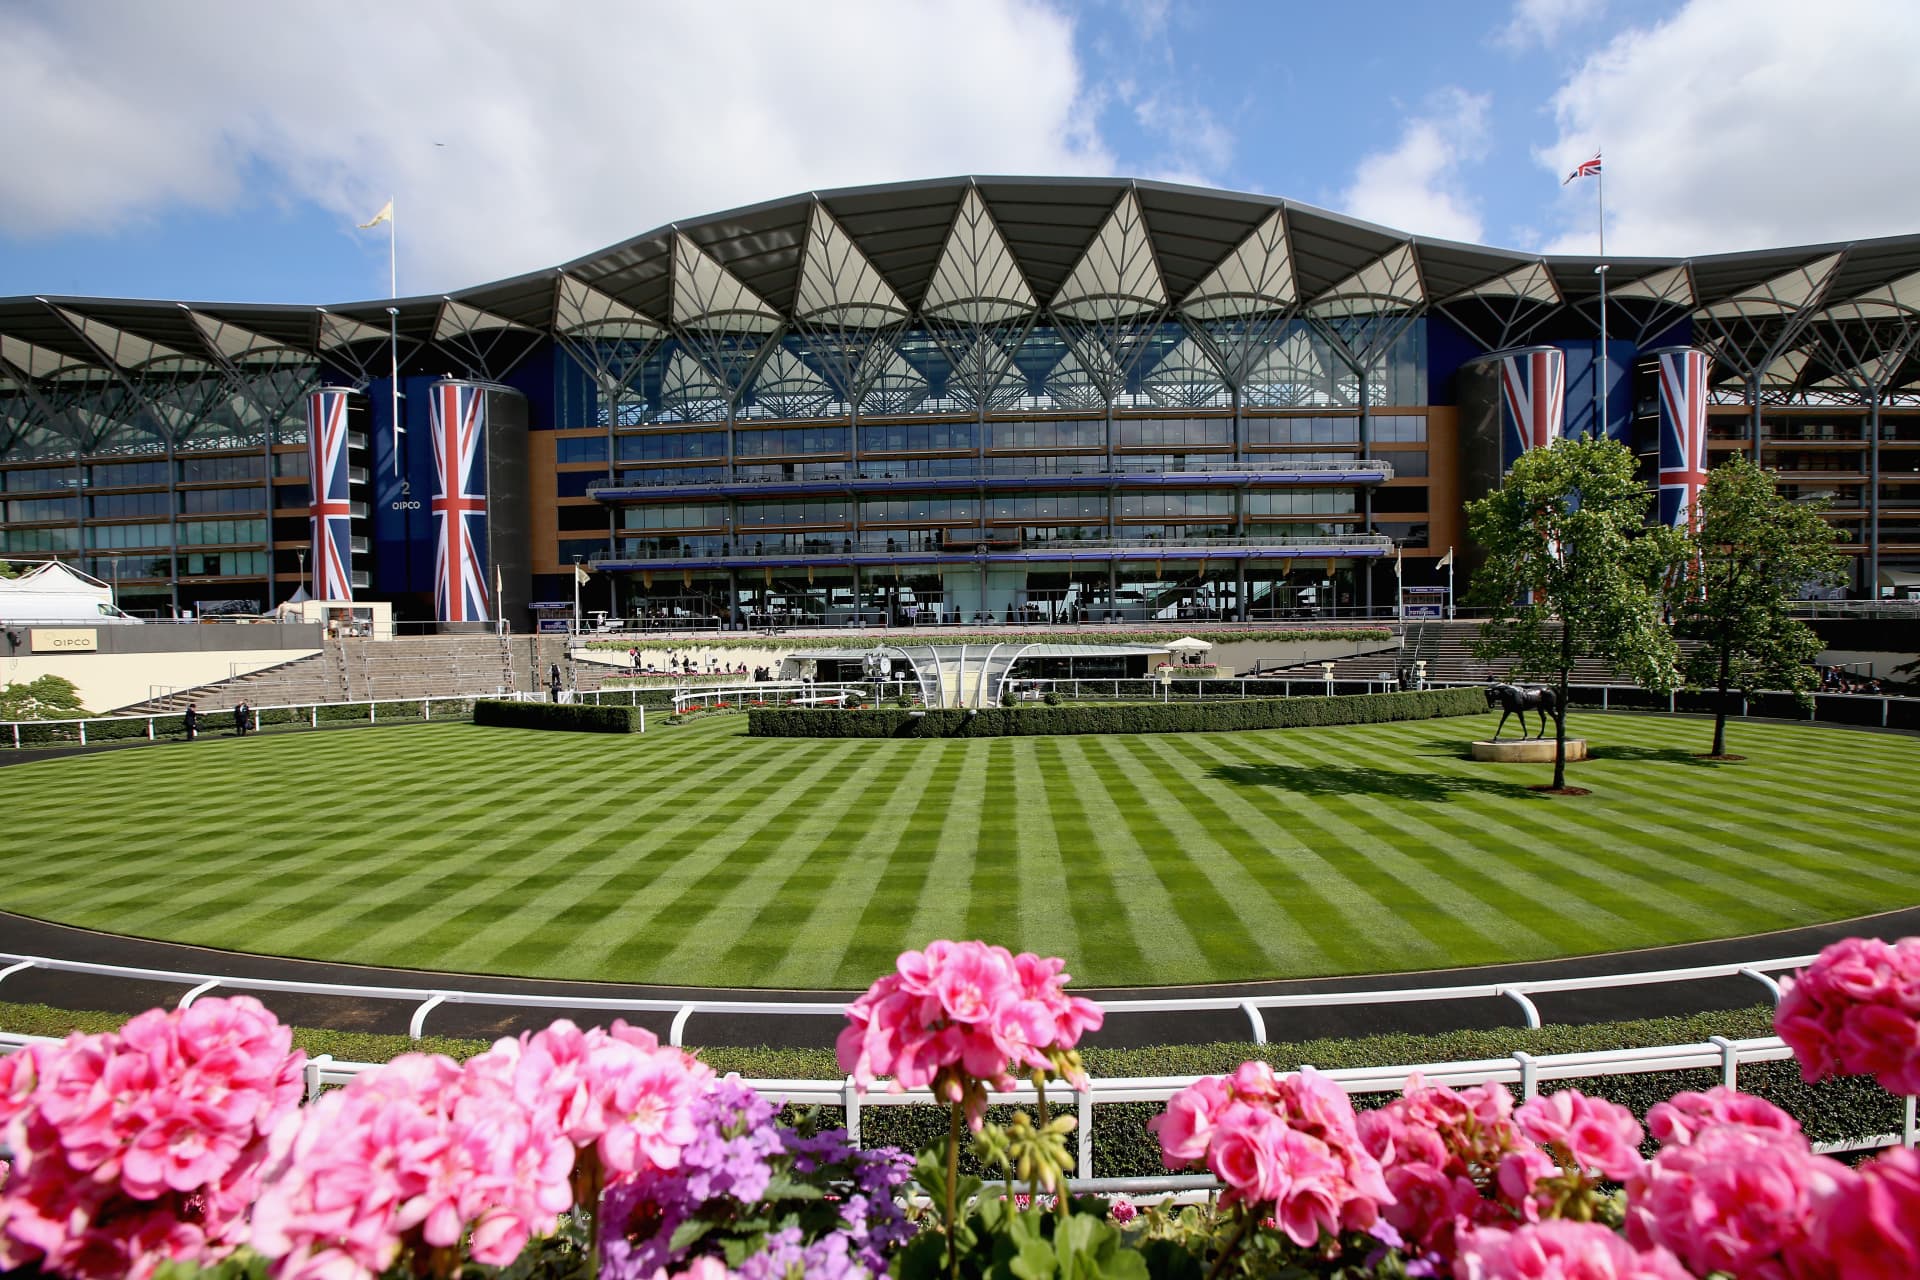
1130,717
579,717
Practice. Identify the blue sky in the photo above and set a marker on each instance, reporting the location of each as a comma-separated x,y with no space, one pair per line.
225,150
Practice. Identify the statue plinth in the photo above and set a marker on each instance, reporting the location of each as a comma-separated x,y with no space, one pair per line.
1527,750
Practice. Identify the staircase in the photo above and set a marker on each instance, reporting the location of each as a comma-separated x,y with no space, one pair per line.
308,679
1447,648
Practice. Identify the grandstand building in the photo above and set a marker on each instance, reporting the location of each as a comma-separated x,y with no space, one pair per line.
1020,399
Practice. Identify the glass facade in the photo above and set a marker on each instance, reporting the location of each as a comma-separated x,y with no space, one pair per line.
1200,369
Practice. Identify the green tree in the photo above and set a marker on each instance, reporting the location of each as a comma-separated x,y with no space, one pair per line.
48,698
1754,553
1566,539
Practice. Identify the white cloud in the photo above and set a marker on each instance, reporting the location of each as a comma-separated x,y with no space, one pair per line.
1746,124
567,127
1195,145
1542,22
1416,187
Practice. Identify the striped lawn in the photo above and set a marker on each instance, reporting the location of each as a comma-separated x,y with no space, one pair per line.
698,855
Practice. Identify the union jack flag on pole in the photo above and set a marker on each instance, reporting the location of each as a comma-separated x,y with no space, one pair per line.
459,415
1683,436
1533,401
1585,169
329,508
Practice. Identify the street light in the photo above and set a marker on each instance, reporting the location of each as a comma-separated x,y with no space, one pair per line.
303,572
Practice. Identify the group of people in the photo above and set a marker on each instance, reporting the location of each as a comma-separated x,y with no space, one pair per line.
685,665
1836,680
243,721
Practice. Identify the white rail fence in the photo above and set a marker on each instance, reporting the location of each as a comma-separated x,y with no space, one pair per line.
1522,1071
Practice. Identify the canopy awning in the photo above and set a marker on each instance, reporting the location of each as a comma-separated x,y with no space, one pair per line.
1187,644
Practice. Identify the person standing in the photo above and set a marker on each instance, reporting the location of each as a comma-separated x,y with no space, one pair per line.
190,721
240,720
553,683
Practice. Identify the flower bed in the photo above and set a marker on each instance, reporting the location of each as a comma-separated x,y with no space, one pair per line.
178,1141
579,717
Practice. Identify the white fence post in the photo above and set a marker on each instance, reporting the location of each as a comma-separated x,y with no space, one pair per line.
850,1099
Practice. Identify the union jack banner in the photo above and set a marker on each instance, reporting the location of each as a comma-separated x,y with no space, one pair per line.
329,509
1683,436
459,413
1533,401
1585,169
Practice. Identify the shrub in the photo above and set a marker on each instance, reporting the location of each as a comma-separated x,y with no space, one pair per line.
1051,698
1137,717
579,717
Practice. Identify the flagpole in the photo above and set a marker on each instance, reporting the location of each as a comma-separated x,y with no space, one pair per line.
1606,371
393,326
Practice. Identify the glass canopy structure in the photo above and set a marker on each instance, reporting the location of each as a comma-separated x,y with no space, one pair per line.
973,397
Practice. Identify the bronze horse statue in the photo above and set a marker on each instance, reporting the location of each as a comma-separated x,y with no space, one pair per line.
1518,699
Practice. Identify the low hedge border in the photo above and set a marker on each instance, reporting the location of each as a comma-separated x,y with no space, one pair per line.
1128,717
1839,1110
1015,633
578,717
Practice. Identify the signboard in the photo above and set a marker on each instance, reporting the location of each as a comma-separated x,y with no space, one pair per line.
555,624
1423,602
64,640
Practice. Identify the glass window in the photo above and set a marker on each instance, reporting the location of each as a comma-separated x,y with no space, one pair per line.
918,437
29,541
290,464
1317,430
205,533
35,479
933,508
1048,506
1302,502
110,537
751,514
574,484
1406,462
1134,433
666,446
674,516
211,501
114,475
580,449
1054,434
246,466
786,441
38,510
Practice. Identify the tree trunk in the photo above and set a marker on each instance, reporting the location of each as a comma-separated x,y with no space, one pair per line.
1560,709
1720,708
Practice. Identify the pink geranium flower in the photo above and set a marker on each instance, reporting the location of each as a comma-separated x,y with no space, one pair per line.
963,1017
1867,1222
1595,1133
143,1145
1856,1011
1560,1250
1732,1198
1675,1121
1285,1144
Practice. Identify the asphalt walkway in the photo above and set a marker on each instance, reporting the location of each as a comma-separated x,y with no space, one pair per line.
30,937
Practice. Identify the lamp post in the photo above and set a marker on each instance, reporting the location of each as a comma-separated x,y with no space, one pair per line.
303,572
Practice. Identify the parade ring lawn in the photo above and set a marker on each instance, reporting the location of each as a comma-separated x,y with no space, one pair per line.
698,855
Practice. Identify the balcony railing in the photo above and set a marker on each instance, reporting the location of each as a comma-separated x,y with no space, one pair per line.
968,544
1114,471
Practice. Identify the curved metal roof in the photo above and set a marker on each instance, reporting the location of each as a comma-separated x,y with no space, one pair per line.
1099,253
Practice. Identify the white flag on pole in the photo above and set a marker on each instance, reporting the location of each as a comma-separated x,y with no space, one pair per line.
1444,560
385,215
